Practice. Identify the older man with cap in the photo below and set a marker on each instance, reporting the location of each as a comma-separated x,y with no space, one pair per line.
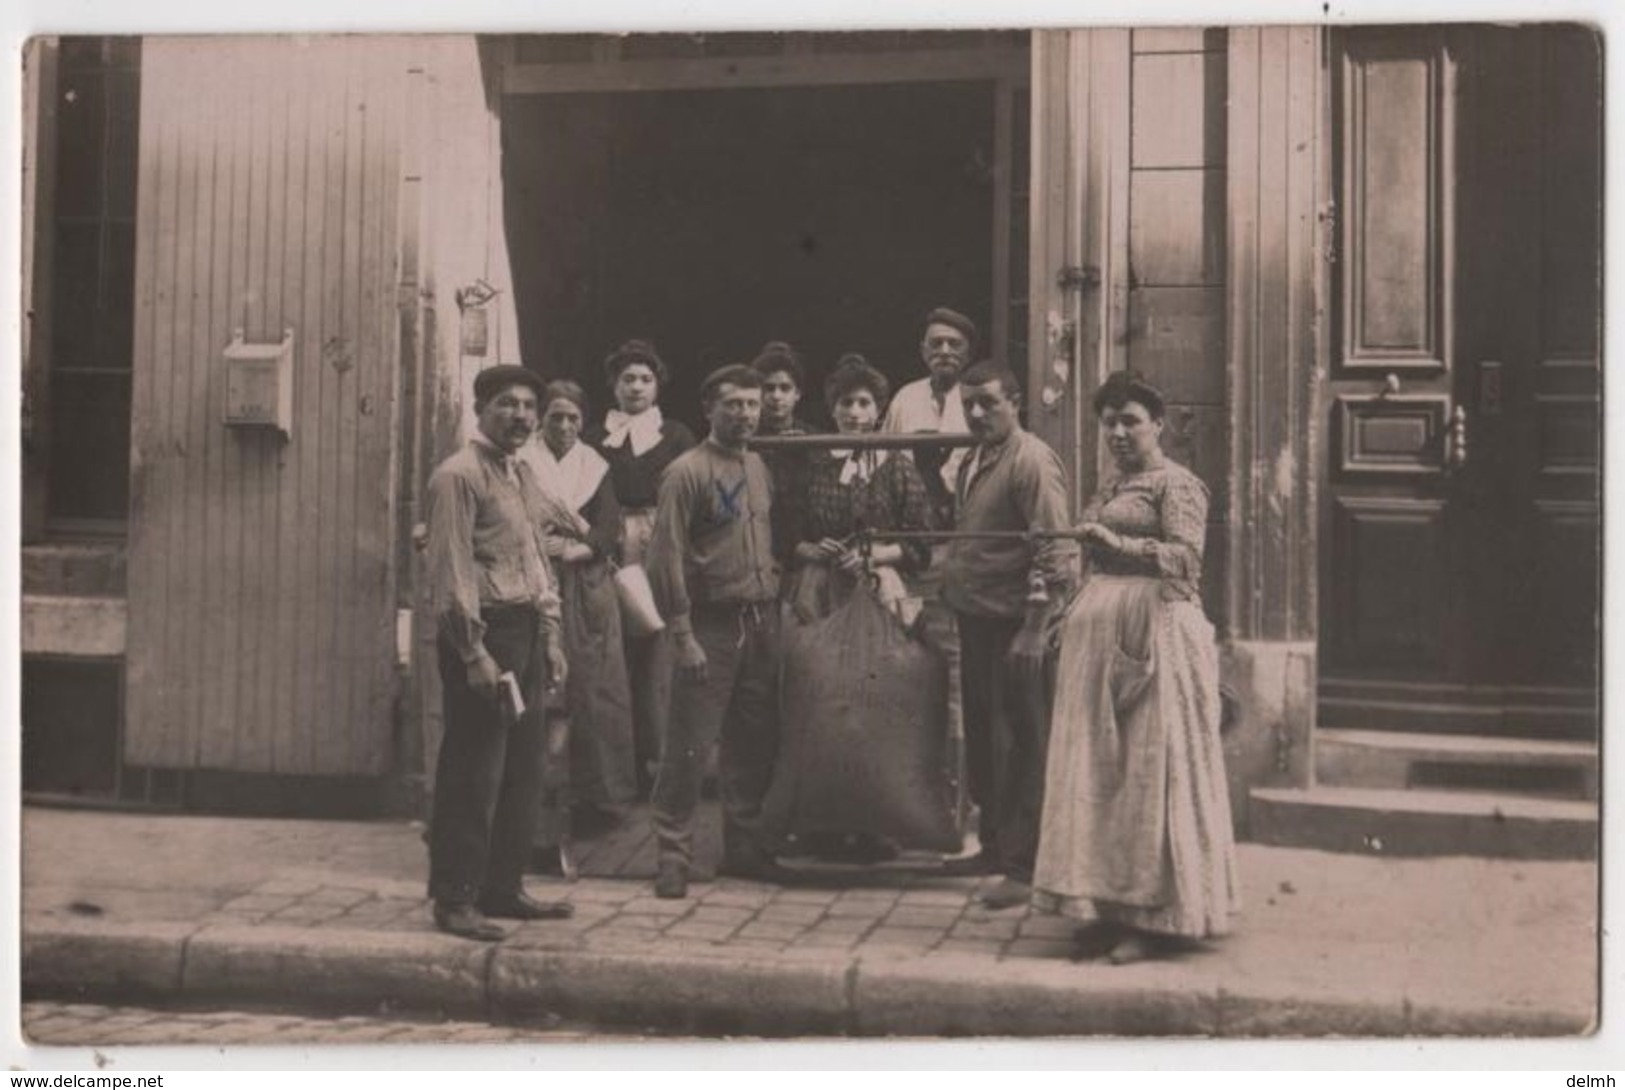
496,608
931,404
715,577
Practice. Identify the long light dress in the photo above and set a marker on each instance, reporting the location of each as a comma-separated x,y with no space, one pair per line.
1136,825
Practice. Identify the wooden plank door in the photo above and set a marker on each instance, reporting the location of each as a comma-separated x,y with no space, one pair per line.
262,582
1460,528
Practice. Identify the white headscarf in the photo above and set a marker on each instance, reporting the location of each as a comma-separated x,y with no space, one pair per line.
644,429
572,480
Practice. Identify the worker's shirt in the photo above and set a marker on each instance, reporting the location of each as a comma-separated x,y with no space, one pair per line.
1016,486
485,544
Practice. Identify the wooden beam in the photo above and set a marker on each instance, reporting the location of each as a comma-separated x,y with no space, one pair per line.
38,238
784,70
1003,121
1277,187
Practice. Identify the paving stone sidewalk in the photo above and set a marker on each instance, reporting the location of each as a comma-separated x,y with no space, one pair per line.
332,915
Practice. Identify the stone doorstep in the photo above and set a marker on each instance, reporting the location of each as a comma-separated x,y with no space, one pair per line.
803,992
1417,822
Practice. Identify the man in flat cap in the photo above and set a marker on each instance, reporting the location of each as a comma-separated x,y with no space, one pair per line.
931,404
714,576
496,607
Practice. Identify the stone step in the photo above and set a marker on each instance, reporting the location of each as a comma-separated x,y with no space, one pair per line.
74,569
1393,759
1416,822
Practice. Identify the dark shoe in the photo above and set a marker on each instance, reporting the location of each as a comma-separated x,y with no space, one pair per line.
1009,893
1095,939
522,906
1131,948
671,880
971,866
467,922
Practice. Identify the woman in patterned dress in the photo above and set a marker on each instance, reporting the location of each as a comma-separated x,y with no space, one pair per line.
1136,833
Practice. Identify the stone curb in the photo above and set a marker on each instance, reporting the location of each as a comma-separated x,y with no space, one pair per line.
720,993
337,968
87,960
701,994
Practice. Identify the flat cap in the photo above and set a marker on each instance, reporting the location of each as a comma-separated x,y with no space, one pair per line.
493,380
738,374
949,317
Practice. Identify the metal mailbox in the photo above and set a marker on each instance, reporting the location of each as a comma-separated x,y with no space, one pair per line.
259,383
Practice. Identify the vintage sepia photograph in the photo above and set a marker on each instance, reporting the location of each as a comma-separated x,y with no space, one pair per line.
1075,533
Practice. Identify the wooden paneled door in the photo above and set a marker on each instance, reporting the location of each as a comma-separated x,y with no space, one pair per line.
1460,535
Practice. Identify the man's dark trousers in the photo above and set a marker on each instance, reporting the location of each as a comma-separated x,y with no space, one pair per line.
1006,742
738,702
488,779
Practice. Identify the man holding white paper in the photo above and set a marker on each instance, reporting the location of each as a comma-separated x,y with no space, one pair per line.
496,607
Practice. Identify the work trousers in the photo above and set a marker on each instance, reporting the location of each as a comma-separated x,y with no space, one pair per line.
738,702
489,776
1006,742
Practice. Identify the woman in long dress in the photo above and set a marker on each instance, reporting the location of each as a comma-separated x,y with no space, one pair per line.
639,443
583,537
1136,832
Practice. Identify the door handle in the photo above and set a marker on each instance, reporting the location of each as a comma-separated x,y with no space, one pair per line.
1455,446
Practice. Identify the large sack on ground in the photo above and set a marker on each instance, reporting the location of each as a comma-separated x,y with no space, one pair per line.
864,722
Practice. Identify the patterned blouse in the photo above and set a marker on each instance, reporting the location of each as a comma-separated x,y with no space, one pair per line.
892,498
1162,511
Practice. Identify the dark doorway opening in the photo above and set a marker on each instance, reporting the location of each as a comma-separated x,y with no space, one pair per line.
71,710
832,217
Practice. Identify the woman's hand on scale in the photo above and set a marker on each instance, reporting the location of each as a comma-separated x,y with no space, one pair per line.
827,551
1094,533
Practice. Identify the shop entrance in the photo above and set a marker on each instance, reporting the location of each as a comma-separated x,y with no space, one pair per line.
711,219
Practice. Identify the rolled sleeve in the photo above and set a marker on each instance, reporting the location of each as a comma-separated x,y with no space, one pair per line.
1041,492
453,572
1178,555
668,551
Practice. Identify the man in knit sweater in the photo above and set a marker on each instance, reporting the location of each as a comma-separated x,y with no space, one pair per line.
713,572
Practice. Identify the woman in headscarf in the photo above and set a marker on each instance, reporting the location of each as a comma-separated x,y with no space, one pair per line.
583,529
639,443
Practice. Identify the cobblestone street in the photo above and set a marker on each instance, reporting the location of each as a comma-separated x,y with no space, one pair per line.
317,917
93,1025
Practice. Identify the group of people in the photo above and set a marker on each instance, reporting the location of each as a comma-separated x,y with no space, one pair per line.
1089,677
